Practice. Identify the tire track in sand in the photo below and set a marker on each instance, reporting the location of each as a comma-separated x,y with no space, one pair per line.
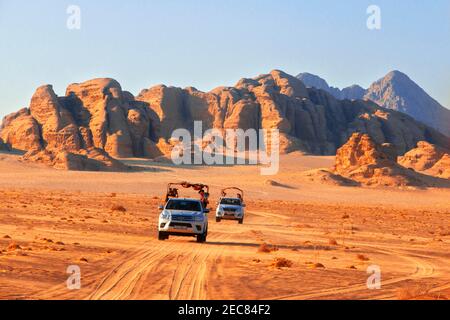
116,284
189,282
189,279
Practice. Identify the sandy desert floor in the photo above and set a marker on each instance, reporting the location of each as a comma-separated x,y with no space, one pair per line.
106,224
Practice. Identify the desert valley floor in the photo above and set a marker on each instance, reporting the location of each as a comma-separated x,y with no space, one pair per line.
106,224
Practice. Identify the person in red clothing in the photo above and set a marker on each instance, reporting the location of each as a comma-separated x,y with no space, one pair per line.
204,199
239,197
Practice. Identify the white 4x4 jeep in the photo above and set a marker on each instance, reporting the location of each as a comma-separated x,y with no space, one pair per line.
230,209
183,217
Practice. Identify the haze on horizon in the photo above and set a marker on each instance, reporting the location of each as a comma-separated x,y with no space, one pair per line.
208,44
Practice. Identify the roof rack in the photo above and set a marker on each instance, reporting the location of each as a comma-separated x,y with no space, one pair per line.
240,192
172,189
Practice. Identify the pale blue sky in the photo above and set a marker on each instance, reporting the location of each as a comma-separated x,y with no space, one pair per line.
210,43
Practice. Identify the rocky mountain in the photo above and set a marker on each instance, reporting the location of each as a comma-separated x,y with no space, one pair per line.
98,116
353,92
395,91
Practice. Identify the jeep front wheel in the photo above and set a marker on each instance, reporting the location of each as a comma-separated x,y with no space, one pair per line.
162,236
201,238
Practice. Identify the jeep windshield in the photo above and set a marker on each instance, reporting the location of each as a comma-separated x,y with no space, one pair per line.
184,205
231,202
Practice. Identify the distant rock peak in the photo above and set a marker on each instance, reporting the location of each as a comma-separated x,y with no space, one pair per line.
394,91
353,92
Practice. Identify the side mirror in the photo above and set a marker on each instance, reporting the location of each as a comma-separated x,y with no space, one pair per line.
207,211
161,207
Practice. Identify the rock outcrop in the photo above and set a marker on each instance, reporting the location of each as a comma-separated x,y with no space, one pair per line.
21,131
89,160
98,114
441,168
368,163
429,159
81,130
363,162
109,118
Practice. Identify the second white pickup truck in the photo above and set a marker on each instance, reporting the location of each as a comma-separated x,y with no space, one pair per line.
230,209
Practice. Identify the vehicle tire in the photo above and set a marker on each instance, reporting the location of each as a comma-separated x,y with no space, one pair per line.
162,236
218,220
241,221
201,238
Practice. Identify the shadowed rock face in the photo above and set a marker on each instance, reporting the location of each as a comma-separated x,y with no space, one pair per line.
4,146
99,115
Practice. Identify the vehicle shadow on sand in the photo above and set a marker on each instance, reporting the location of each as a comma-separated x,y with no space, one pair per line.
257,245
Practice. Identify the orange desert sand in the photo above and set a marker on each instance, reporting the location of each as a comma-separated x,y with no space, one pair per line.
301,239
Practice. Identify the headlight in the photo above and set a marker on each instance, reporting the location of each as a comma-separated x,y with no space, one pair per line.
165,215
199,218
